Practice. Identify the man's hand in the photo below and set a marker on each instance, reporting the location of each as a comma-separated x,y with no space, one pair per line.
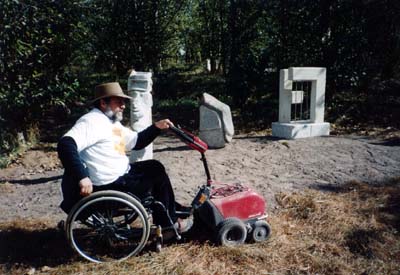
163,124
86,186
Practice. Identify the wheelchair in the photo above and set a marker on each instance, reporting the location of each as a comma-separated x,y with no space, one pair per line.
113,225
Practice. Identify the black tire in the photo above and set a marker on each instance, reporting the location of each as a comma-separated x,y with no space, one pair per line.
231,232
261,231
108,226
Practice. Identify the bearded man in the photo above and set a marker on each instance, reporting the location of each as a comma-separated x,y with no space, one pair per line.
93,153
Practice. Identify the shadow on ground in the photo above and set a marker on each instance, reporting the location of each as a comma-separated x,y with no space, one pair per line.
33,181
395,141
388,211
44,247
171,149
47,246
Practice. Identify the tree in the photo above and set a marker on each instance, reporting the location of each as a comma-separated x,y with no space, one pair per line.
245,36
133,34
37,45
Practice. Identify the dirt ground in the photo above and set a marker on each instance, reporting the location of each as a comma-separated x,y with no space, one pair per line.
30,187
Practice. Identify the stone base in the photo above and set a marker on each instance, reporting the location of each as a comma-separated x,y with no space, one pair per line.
300,130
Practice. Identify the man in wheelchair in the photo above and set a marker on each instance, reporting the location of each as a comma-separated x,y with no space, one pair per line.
93,153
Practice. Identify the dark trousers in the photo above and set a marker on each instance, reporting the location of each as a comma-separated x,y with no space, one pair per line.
145,178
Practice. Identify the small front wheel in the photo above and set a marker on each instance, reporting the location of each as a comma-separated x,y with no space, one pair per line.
231,232
261,231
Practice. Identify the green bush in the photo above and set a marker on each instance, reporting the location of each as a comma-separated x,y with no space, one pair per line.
37,42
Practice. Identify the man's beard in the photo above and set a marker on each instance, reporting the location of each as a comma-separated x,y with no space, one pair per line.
114,116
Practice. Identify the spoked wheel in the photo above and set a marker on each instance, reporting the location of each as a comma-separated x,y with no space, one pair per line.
261,231
108,226
231,232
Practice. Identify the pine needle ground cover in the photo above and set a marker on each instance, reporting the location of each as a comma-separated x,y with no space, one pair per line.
351,229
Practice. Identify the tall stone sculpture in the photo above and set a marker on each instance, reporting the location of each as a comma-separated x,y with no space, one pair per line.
139,88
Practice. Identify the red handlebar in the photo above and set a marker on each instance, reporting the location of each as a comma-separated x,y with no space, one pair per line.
191,140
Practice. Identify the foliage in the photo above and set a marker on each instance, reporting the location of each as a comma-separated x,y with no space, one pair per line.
54,52
177,93
37,42
134,34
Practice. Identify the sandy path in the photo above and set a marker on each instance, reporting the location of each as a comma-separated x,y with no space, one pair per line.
31,188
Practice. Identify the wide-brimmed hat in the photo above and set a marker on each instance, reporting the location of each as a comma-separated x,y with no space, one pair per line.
108,90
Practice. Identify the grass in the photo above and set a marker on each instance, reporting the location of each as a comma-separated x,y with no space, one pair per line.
353,229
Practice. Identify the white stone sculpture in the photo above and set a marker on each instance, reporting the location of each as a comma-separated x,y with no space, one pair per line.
315,126
139,88
216,126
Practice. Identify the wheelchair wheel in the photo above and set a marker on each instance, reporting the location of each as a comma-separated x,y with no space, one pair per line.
108,226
